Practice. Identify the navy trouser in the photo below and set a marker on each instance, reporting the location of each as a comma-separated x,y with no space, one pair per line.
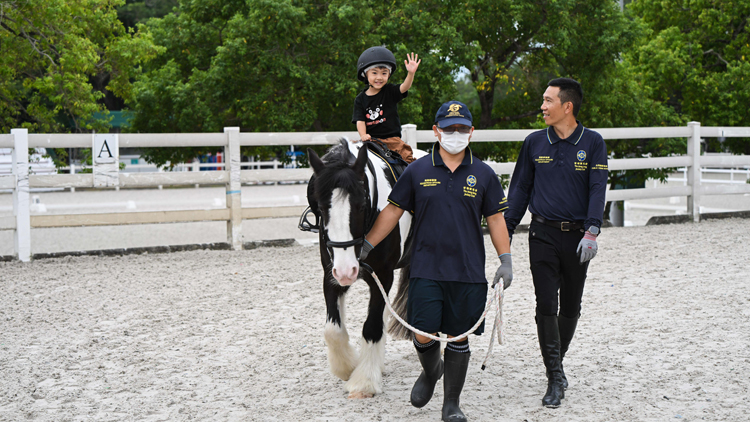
449,307
556,267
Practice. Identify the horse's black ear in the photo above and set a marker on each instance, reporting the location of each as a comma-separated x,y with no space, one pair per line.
359,165
315,162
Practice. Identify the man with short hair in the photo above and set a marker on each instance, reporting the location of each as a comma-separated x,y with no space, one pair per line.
561,176
449,191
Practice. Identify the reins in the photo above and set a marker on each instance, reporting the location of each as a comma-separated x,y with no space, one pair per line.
495,298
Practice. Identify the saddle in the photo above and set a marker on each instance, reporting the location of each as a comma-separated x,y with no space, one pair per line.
393,158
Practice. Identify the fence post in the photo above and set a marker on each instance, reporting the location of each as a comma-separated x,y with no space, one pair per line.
232,164
21,208
409,133
72,171
694,171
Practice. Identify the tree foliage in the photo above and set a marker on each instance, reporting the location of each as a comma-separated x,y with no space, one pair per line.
289,65
270,66
694,57
51,50
511,49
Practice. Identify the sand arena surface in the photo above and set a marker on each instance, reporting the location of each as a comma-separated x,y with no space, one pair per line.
238,336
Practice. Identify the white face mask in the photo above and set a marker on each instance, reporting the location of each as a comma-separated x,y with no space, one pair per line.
455,142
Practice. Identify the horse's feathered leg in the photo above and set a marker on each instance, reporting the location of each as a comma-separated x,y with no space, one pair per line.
395,328
342,357
367,378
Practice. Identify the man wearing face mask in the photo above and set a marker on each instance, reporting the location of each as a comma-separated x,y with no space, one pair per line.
448,191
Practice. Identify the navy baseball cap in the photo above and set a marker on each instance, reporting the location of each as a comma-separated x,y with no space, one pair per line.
453,113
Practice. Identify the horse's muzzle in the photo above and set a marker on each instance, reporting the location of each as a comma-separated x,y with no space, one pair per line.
346,277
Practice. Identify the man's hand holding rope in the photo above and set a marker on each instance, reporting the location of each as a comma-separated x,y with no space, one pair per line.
505,271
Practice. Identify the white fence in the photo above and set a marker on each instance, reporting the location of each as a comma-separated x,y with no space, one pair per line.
233,176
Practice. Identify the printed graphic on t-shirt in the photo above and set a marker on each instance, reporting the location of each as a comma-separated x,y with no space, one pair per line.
375,116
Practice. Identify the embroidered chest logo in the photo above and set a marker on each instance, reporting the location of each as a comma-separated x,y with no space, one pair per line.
470,190
581,164
429,182
543,159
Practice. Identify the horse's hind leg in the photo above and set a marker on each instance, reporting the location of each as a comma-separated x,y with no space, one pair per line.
367,378
342,358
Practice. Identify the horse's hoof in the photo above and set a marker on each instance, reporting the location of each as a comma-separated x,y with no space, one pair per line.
360,395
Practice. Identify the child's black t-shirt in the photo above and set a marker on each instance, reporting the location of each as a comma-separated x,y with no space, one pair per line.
380,111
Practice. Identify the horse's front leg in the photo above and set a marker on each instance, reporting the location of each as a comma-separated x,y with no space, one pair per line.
342,357
367,378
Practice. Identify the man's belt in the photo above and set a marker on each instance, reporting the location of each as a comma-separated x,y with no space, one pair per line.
565,226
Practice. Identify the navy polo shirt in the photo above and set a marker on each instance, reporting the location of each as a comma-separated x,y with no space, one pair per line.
560,179
448,209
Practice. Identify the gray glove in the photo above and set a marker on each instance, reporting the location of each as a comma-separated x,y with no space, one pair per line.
587,248
366,248
505,271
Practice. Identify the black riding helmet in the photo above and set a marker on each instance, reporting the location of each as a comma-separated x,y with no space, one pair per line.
374,55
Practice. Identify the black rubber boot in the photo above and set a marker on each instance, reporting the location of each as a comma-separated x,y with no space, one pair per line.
456,365
549,343
567,328
432,370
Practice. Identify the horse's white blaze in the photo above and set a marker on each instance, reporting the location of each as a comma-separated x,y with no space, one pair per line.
342,358
345,263
367,377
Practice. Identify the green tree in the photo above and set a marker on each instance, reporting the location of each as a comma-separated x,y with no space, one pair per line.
51,49
506,52
511,49
269,66
695,57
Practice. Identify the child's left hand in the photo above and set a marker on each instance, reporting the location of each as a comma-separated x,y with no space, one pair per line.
412,63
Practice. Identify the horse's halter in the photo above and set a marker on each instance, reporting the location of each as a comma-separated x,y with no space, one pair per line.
370,215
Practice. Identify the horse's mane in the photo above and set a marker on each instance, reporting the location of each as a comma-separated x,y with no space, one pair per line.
338,172
339,153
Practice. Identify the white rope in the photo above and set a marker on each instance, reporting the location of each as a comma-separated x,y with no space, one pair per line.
497,328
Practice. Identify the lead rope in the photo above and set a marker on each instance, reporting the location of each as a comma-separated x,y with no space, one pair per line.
497,328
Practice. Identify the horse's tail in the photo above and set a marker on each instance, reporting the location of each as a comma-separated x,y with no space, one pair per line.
395,328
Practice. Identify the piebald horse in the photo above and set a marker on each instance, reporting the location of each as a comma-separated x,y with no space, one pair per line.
349,189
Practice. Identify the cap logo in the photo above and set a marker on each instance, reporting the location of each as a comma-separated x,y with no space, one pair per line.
453,110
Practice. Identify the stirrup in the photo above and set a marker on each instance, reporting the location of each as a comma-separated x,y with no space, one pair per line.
305,225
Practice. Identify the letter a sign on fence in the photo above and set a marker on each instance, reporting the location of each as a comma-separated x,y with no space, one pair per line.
105,156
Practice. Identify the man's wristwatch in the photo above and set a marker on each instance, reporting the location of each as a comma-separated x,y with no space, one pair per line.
594,230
